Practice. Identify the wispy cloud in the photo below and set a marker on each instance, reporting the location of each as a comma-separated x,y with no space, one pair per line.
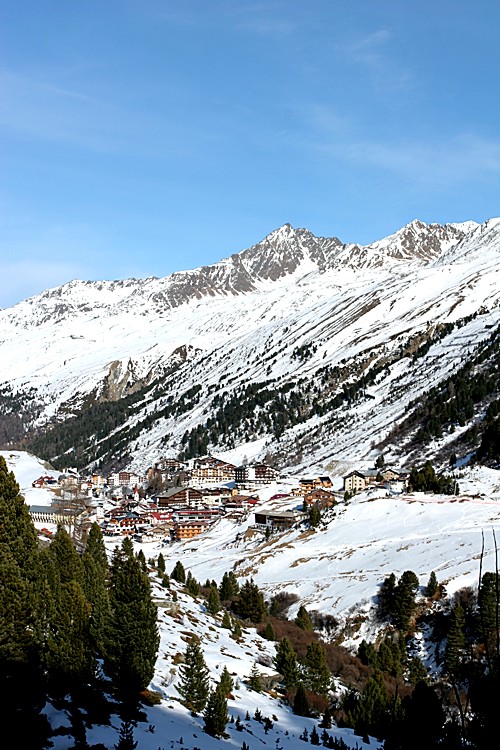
39,108
440,164
367,49
265,19
374,53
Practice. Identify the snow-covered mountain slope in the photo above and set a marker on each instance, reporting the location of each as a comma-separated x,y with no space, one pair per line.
294,312
336,570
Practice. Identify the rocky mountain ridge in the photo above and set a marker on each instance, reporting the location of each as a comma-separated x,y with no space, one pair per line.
273,346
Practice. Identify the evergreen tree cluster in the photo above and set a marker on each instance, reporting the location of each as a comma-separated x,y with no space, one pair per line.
396,600
427,480
61,613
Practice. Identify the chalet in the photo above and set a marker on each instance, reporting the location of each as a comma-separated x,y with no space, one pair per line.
255,475
216,495
44,481
98,480
211,470
208,515
390,474
189,529
124,479
279,521
359,480
164,470
320,497
239,501
179,497
309,484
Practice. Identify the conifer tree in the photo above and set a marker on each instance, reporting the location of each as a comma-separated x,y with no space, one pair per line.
67,560
215,714
142,559
303,619
161,564
236,630
95,578
226,683
69,657
314,516
317,673
255,679
127,547
326,721
192,585
455,640
285,663
229,586
251,605
126,737
385,598
432,586
314,737
404,600
132,639
268,632
194,685
213,601
226,620
178,573
489,610
300,702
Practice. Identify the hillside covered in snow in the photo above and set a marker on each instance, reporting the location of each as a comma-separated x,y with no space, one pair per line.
300,348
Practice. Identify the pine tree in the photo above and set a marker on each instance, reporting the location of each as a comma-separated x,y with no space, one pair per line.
285,663
178,573
229,586
126,737
67,560
326,721
385,598
161,564
69,656
213,601
192,585
370,713
251,605
95,578
489,610
236,630
317,673
268,632
132,639
404,600
142,559
432,586
455,640
226,620
300,702
314,737
215,714
314,516
226,683
255,680
194,685
303,619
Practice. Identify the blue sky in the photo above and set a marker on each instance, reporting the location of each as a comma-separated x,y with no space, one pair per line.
140,137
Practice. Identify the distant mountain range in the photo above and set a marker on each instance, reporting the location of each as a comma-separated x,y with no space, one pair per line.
300,349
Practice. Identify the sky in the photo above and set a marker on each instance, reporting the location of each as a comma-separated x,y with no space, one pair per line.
141,138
